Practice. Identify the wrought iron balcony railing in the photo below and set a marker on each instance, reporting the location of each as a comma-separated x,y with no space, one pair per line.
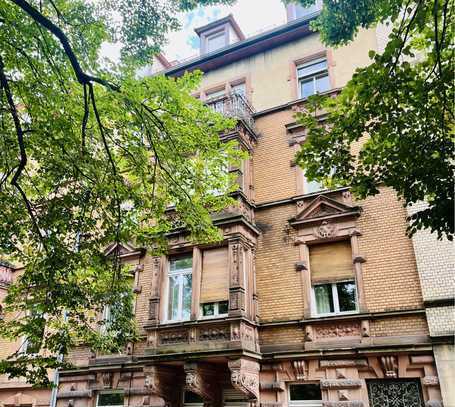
233,105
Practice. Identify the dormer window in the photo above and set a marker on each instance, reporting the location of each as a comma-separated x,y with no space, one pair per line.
296,11
219,34
215,41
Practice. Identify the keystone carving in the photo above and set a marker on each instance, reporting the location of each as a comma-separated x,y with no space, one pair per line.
106,378
245,377
389,366
300,369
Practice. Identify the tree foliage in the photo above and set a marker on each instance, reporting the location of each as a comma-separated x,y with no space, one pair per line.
90,155
399,109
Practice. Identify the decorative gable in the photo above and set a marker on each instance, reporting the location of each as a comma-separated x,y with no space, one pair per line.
123,250
323,208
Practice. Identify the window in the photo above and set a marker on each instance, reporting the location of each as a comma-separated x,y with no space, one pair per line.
179,288
305,395
214,282
313,77
216,100
32,346
215,41
110,399
336,298
239,89
191,399
215,309
332,277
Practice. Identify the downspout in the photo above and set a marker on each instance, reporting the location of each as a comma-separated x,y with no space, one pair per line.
55,382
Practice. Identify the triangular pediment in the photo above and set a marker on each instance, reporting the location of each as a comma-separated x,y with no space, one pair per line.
323,207
121,249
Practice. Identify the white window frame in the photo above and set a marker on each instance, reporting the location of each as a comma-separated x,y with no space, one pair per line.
109,392
313,75
180,273
302,403
336,304
216,313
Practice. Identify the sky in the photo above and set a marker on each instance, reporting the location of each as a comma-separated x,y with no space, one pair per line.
253,16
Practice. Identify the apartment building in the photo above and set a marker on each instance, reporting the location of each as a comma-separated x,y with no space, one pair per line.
313,298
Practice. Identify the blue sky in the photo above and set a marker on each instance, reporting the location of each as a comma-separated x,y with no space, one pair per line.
252,16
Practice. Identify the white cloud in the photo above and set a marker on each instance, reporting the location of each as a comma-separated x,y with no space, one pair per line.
253,16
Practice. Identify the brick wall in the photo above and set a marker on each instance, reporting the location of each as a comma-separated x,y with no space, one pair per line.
399,326
274,177
278,284
390,275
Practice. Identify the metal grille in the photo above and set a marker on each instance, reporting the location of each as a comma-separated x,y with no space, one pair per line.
394,393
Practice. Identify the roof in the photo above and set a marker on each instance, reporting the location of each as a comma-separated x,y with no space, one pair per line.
228,19
243,49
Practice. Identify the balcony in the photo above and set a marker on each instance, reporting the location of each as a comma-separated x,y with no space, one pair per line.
234,105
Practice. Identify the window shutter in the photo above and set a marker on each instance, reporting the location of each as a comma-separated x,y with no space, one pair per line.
331,262
215,275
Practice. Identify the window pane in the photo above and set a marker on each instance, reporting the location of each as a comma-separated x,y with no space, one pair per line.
186,311
322,83
239,89
223,307
323,298
311,68
173,297
181,263
208,309
307,88
110,399
191,397
305,392
216,41
346,296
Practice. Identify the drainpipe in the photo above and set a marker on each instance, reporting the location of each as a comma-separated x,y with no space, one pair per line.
55,382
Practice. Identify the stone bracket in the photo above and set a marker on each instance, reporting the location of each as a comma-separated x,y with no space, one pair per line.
162,381
200,381
245,377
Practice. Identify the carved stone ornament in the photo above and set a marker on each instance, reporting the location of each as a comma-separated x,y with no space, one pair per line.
300,369
430,381
106,378
325,230
353,403
341,330
200,381
340,383
162,381
245,377
389,366
344,363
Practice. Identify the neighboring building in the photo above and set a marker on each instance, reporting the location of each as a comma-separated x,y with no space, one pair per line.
312,299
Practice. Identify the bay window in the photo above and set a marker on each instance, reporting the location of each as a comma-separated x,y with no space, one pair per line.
179,288
332,277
